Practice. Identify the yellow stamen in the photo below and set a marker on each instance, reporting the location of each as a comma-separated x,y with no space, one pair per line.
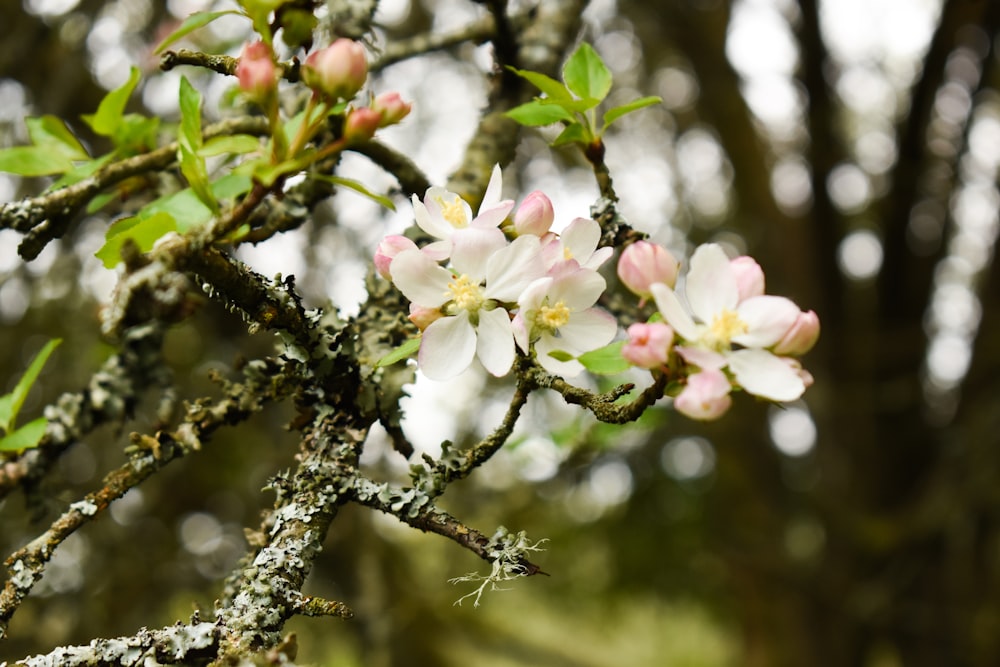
453,212
726,325
465,293
552,317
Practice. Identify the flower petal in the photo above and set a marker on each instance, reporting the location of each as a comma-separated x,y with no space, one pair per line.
768,319
493,190
700,357
578,289
421,280
492,216
495,347
511,269
711,285
761,373
447,347
673,312
432,223
587,330
471,249
580,238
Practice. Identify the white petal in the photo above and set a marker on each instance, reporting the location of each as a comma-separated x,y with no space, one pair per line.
471,249
547,344
520,330
492,216
432,224
768,318
761,373
580,237
673,312
711,285
600,256
579,289
700,357
588,330
531,298
493,190
511,269
495,348
420,278
447,347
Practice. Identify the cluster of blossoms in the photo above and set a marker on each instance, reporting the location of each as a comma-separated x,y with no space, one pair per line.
493,282
721,331
487,284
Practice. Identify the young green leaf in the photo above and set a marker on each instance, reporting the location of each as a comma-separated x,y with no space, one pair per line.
10,404
33,161
51,133
561,355
536,113
190,24
404,351
190,104
611,115
606,360
232,144
26,437
194,170
555,90
144,231
574,133
357,187
586,74
112,108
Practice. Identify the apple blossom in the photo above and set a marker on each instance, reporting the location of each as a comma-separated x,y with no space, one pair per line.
706,395
487,275
648,345
387,250
256,71
557,314
534,215
442,213
714,319
575,247
361,124
644,263
392,108
749,276
338,71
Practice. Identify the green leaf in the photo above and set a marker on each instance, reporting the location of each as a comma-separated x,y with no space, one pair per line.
575,133
554,89
112,108
606,360
10,404
561,355
537,113
190,104
572,105
194,170
80,171
144,231
235,144
586,74
51,132
617,112
404,351
33,161
190,24
187,209
357,187
136,133
26,437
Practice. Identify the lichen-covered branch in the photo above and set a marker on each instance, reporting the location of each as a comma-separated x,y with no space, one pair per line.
605,406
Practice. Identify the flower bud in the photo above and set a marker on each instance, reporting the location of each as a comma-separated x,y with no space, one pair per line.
648,345
534,215
360,124
338,71
801,336
387,249
257,72
749,276
423,317
644,263
392,107
706,395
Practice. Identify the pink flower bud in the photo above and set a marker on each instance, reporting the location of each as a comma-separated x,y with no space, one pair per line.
534,215
257,72
361,124
749,276
387,249
706,395
644,263
392,107
423,317
648,345
338,71
801,336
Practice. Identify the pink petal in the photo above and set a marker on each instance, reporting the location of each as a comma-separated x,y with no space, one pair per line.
492,216
447,347
762,374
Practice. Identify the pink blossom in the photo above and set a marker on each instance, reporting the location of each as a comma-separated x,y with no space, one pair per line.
256,71
644,263
338,71
749,276
387,250
706,395
392,107
534,215
648,345
800,337
361,124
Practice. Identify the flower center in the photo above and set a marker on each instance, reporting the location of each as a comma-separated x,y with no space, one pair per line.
465,293
725,325
453,212
552,317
